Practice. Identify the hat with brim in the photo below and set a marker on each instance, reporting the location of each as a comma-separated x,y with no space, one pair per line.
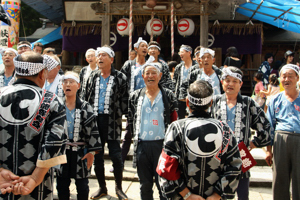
289,53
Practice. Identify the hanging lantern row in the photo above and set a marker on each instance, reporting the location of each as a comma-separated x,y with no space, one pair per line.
185,27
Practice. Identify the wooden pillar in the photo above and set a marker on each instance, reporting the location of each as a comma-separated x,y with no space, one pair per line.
105,31
65,58
203,23
256,61
118,60
218,56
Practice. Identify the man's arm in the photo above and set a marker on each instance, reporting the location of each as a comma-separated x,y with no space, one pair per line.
7,180
26,184
166,80
261,124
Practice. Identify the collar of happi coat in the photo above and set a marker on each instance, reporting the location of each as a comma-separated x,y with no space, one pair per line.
107,94
88,72
139,113
2,80
197,114
238,115
77,119
2,74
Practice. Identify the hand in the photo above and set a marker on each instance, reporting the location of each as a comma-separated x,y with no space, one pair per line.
214,196
90,159
7,180
195,197
25,185
251,146
269,157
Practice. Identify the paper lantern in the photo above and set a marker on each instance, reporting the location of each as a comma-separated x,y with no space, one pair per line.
186,27
151,3
123,26
157,27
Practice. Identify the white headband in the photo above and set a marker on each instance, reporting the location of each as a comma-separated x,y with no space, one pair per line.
140,40
23,45
227,72
2,51
199,101
29,68
290,66
150,63
107,50
197,52
186,49
206,50
154,46
70,76
90,50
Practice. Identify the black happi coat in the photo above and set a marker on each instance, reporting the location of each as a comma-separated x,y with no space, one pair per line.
118,100
87,133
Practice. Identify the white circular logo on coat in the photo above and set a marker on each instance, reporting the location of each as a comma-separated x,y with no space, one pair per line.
19,105
203,138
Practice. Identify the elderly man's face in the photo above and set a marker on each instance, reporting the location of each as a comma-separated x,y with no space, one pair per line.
231,85
90,57
151,76
207,60
70,87
184,55
104,60
23,49
289,79
8,57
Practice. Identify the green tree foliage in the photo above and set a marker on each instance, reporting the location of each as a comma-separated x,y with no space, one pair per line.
30,18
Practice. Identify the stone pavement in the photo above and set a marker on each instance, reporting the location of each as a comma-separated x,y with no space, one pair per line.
132,190
260,182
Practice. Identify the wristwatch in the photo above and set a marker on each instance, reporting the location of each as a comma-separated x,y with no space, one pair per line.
187,195
92,152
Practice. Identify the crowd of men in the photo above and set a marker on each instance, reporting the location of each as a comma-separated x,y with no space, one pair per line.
191,133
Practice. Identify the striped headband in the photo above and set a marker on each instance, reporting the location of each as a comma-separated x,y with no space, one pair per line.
199,101
227,72
30,69
188,49
150,63
290,66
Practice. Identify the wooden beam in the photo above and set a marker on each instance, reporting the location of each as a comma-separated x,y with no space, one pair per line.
283,13
256,9
105,31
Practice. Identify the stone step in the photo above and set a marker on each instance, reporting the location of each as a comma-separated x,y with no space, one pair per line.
261,176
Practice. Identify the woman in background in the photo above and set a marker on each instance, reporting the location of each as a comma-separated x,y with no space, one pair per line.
232,58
